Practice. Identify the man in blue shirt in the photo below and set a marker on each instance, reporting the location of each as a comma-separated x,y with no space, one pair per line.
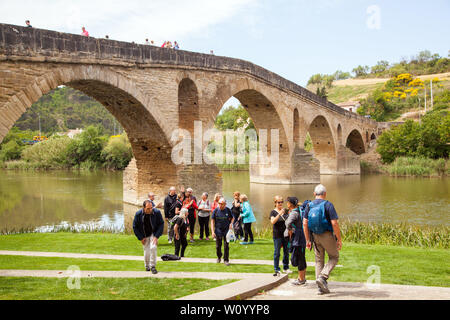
327,241
221,221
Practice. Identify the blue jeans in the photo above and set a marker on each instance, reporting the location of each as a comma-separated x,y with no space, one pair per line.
278,243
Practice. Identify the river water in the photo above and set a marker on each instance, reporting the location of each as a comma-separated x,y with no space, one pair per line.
42,200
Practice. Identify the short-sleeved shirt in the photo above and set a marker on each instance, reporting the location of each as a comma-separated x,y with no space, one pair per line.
236,210
203,205
179,205
222,219
279,226
182,225
330,211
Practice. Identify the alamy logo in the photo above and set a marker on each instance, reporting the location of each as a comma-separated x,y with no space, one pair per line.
208,147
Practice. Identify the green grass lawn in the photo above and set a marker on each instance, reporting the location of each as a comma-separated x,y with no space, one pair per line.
398,265
28,288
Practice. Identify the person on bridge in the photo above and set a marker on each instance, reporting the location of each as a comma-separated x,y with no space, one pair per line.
278,217
222,221
294,228
84,32
248,218
321,228
148,226
181,229
204,211
170,203
176,46
190,203
27,22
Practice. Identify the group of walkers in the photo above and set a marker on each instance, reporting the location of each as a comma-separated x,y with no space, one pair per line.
303,226
181,211
296,228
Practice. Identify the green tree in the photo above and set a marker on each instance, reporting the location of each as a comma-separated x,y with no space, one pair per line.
87,146
234,118
360,71
117,153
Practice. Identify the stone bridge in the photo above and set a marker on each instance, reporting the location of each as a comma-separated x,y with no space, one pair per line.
152,91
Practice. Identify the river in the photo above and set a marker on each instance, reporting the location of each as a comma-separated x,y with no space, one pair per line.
44,199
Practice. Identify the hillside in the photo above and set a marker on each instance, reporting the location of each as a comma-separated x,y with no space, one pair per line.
66,108
357,89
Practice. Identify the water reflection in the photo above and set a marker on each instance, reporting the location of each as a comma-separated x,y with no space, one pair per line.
30,199
94,199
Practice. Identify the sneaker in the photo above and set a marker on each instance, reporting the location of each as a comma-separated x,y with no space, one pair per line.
251,242
170,241
154,270
320,292
227,263
297,282
323,285
207,239
243,242
218,260
147,268
191,241
287,271
277,273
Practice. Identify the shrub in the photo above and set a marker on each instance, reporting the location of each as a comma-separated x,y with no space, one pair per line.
88,145
49,154
10,151
117,153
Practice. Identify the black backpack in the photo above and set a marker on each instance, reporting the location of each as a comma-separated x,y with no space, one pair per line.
169,257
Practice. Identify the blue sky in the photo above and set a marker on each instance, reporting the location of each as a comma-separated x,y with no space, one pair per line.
294,39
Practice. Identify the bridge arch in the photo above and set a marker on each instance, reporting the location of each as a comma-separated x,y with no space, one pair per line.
265,116
125,101
355,142
323,144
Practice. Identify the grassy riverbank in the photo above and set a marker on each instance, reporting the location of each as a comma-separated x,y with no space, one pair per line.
409,167
398,264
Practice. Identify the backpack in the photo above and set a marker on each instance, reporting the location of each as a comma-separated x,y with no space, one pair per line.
317,220
169,257
173,221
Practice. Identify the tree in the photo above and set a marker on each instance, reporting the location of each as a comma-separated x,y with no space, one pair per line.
340,75
322,92
360,71
380,67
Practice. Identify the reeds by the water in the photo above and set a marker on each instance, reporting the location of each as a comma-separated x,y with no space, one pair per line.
409,166
386,234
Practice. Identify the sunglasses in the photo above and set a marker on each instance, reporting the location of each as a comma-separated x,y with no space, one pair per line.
280,201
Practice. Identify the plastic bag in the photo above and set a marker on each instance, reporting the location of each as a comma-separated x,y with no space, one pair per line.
230,236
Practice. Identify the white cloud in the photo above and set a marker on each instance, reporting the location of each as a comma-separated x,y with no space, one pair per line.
129,20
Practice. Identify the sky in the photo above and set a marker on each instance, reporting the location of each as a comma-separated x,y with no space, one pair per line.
294,39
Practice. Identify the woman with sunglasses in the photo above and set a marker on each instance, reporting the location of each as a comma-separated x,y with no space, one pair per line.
278,217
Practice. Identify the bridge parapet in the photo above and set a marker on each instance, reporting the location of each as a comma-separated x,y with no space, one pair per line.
22,43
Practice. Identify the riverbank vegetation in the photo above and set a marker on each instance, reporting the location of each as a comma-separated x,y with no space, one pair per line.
428,139
90,149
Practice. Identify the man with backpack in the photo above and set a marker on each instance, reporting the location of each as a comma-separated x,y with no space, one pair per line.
321,228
